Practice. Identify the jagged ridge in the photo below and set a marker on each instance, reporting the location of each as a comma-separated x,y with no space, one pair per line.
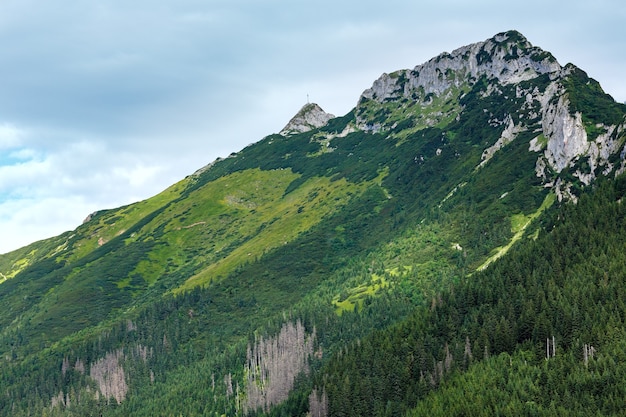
507,63
508,58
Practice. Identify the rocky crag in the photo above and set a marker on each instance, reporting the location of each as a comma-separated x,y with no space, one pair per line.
311,116
540,90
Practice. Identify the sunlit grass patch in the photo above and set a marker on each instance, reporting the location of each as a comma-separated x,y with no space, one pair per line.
354,297
519,223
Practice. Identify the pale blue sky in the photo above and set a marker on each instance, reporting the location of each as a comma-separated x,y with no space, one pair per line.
109,102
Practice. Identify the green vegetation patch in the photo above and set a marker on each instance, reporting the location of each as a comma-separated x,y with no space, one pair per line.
519,223
106,225
354,297
542,141
258,217
18,266
597,108
407,116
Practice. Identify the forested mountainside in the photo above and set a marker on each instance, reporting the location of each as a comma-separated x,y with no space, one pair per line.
541,332
452,245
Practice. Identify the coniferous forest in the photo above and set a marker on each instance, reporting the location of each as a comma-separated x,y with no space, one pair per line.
539,333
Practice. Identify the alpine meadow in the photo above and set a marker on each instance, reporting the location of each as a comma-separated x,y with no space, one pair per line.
455,245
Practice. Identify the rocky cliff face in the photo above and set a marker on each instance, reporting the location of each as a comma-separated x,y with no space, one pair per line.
310,117
510,66
565,143
508,58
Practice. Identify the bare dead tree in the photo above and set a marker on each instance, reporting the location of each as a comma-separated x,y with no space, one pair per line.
109,375
273,365
142,352
449,360
58,400
588,353
550,348
130,326
467,352
80,366
228,381
65,366
318,404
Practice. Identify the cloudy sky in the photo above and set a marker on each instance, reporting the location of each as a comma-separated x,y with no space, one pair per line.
103,103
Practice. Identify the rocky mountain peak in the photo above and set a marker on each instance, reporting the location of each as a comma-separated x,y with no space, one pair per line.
508,57
543,99
310,116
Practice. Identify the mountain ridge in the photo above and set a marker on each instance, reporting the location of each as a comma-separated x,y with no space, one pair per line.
509,58
313,238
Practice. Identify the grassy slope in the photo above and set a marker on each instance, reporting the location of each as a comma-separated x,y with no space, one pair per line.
273,219
72,246
114,261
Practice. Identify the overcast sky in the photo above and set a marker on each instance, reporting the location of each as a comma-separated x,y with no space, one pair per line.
104,103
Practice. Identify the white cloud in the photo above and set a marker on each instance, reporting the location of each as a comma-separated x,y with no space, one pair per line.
19,177
104,104
49,194
136,176
25,221
10,136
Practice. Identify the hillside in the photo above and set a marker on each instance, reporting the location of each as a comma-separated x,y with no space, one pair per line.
539,333
300,274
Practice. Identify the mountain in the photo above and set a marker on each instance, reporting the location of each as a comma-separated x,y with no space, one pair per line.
353,265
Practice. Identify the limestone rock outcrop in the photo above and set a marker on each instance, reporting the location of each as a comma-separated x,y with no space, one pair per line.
310,117
508,59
